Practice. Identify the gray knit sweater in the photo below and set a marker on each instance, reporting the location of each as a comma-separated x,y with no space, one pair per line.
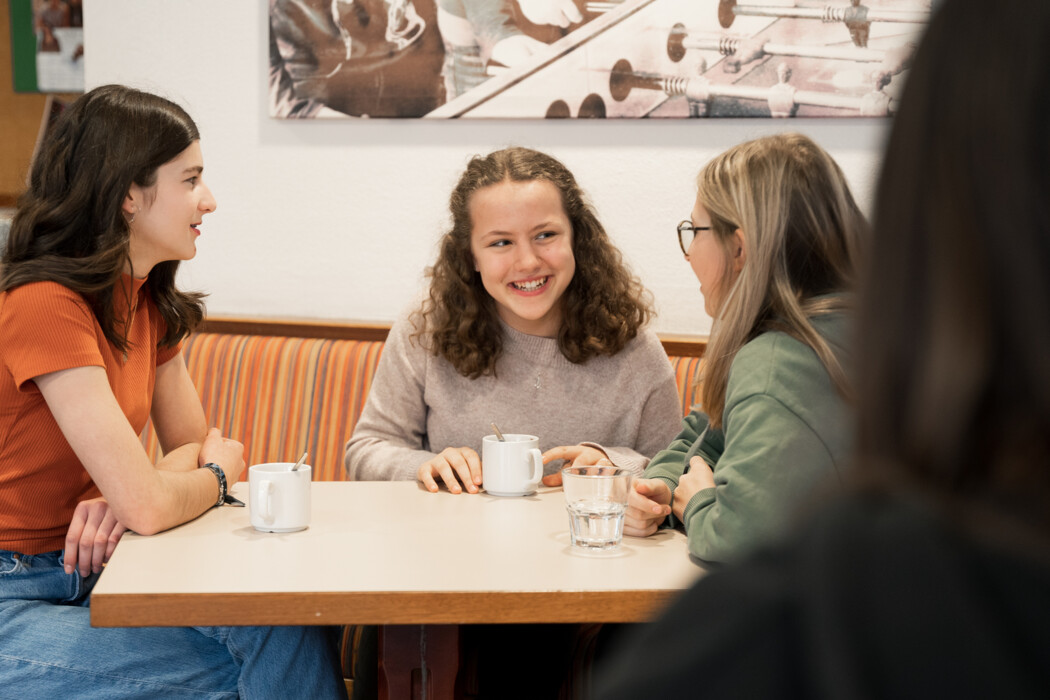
419,404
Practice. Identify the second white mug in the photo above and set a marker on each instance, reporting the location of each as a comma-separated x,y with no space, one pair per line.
511,467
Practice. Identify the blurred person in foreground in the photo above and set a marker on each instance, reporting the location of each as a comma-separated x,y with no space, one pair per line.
932,578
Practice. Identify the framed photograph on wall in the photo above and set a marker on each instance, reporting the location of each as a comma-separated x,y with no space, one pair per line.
590,58
47,45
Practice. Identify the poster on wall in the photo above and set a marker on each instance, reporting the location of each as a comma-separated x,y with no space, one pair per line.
47,45
590,58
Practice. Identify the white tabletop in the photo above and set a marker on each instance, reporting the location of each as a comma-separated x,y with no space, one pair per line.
389,553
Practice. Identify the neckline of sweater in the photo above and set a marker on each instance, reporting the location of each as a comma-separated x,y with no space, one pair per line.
535,348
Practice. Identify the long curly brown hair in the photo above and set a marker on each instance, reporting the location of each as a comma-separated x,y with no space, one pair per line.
602,308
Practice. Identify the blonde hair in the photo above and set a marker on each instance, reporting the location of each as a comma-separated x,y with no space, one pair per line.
801,230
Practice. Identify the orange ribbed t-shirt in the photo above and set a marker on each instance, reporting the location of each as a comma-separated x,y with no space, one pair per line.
45,327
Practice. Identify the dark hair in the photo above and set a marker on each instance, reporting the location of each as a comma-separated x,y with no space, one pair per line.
602,308
69,227
954,381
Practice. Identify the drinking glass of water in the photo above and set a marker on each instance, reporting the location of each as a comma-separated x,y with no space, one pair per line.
596,499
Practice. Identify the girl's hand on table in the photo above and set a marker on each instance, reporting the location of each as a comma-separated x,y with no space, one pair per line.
698,478
647,507
227,453
453,465
574,456
92,536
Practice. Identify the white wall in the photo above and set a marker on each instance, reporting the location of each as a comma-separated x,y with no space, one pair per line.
337,220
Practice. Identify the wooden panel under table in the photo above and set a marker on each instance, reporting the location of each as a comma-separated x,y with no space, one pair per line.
388,553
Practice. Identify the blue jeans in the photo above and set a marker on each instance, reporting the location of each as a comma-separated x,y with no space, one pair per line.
49,649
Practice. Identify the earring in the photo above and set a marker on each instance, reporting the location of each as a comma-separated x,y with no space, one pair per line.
132,219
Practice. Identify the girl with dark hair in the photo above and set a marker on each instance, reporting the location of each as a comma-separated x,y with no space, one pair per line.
931,578
773,240
532,322
90,330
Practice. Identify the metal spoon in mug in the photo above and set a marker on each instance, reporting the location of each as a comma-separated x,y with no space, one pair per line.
499,435
295,467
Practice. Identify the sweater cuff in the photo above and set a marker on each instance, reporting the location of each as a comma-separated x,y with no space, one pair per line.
622,457
700,500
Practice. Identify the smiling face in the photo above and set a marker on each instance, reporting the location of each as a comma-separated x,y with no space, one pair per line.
521,240
166,215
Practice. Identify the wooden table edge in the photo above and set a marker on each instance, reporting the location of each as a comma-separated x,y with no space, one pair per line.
375,608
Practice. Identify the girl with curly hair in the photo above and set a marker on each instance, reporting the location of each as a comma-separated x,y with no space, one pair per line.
773,239
532,322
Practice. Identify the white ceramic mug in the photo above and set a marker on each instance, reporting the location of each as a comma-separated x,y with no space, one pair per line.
512,467
278,498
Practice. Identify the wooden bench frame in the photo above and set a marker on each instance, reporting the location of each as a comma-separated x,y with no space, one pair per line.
680,345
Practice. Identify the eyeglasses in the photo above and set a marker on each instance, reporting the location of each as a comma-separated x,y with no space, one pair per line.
686,232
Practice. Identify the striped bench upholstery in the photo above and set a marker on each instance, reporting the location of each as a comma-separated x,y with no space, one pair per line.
315,387
687,379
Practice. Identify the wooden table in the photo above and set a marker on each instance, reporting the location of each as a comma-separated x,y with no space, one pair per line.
388,553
